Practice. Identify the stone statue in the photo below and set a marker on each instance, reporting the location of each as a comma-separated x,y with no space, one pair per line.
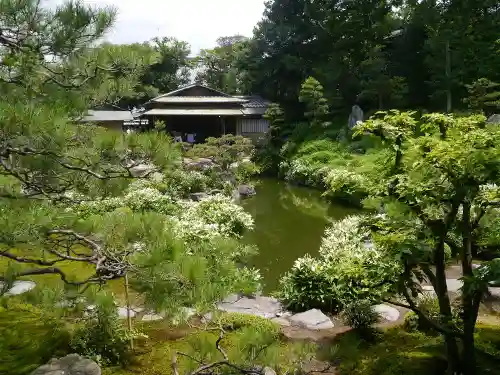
355,116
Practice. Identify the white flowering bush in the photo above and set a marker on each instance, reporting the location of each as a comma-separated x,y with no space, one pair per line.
214,216
192,249
349,268
137,198
345,184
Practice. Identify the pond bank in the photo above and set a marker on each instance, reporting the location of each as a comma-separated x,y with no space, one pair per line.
289,223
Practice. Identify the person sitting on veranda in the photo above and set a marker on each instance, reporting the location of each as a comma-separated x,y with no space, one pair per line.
177,137
191,138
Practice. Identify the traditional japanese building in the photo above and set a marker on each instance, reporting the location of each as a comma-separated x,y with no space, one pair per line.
206,112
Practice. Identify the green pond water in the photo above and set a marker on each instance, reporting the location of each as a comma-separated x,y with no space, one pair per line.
289,222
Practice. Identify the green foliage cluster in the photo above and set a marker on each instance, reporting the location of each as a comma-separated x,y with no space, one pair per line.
224,150
484,96
360,315
380,55
331,166
30,337
102,336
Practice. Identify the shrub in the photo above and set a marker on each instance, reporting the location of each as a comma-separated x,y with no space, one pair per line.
308,285
224,150
29,338
344,184
102,336
213,216
360,315
348,269
235,321
181,183
245,170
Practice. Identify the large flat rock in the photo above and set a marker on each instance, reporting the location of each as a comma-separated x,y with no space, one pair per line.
312,319
386,312
19,287
265,307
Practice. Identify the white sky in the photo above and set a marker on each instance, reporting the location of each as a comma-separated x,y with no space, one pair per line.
198,22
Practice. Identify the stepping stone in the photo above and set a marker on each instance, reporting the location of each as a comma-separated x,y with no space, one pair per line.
19,287
495,292
151,317
454,285
122,312
387,312
282,322
265,307
312,319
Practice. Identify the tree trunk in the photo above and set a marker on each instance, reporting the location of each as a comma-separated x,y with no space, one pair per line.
445,308
468,299
448,77
129,317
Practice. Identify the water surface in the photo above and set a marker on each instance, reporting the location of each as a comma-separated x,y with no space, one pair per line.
289,222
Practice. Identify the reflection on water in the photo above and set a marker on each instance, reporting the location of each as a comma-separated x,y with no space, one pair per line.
289,222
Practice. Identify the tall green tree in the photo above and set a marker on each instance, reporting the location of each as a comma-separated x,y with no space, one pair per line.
461,46
327,39
436,191
218,67
174,65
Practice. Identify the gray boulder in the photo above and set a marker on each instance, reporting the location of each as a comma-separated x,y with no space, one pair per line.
18,287
246,191
72,364
494,119
312,319
265,307
199,164
387,312
142,170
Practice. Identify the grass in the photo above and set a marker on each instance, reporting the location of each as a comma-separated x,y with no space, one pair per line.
247,340
395,351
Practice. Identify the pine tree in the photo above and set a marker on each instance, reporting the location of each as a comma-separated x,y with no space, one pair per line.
484,96
311,94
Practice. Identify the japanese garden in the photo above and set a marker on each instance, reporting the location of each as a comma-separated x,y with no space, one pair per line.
322,196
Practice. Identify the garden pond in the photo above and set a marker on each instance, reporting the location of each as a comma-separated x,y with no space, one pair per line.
289,223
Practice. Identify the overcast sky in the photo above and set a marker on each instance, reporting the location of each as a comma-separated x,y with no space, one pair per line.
199,22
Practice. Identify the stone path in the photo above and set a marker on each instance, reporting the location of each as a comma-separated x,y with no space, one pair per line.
271,308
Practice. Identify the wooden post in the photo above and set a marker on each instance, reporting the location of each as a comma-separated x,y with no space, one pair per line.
129,318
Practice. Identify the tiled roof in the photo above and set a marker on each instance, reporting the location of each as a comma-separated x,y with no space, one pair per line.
193,112
198,99
255,101
102,116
